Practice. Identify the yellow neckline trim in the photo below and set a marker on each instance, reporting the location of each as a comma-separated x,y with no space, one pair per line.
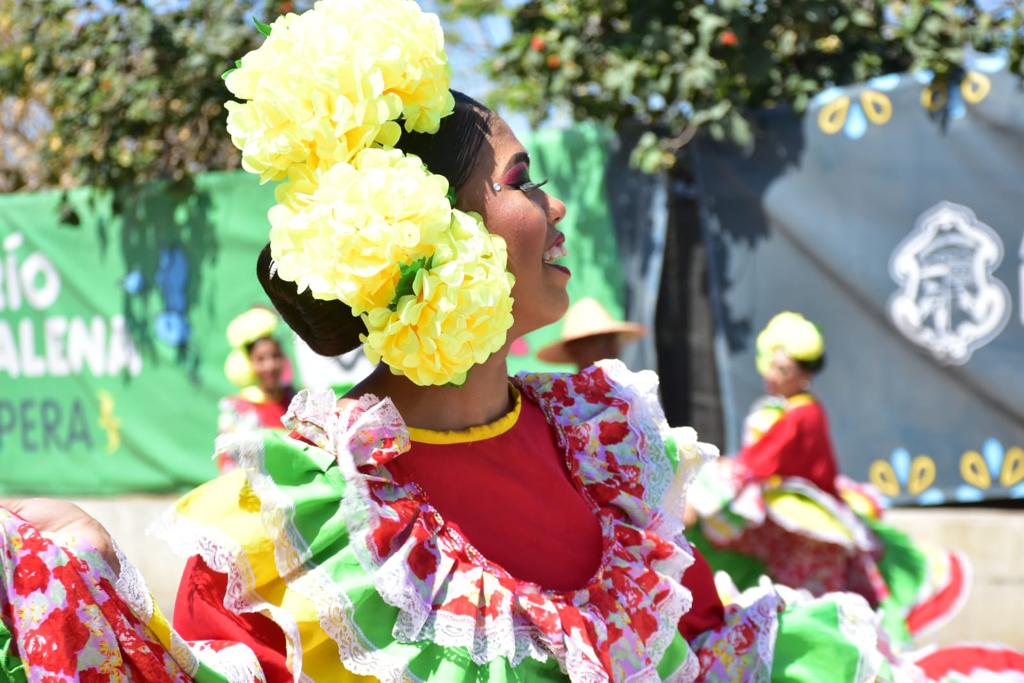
797,400
478,433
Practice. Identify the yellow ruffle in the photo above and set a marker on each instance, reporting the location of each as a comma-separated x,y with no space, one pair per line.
230,508
478,433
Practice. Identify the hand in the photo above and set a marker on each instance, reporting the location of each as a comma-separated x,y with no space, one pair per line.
61,517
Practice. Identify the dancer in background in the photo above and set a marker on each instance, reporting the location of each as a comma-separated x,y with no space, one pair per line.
257,365
780,507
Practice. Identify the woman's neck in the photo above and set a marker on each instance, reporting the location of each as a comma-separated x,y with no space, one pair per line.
483,398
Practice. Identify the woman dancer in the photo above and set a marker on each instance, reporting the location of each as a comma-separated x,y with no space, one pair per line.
781,508
440,522
256,365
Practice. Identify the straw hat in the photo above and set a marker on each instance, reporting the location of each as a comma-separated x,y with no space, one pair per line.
588,318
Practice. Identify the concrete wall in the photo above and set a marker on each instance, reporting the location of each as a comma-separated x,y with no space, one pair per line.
993,540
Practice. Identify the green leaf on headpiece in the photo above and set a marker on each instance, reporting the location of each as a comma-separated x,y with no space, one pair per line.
451,196
263,28
407,277
238,65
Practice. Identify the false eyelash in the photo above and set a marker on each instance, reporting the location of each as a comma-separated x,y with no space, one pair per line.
529,185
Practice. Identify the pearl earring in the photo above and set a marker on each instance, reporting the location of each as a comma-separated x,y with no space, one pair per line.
496,186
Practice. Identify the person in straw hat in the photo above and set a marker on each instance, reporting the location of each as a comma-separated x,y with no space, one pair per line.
590,334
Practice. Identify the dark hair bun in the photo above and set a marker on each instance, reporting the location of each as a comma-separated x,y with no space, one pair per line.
328,327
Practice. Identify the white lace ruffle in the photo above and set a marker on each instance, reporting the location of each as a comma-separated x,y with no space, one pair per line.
351,437
225,556
132,589
236,663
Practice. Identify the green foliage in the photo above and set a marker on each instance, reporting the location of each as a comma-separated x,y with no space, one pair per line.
680,65
114,94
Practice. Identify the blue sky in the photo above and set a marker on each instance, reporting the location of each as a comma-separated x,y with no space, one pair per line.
466,59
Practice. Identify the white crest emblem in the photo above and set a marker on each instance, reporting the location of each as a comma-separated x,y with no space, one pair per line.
948,301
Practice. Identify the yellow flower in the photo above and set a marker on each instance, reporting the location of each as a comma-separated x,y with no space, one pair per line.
796,335
408,48
334,80
238,368
343,233
457,315
254,324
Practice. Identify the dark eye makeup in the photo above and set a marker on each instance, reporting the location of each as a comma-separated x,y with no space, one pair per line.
518,177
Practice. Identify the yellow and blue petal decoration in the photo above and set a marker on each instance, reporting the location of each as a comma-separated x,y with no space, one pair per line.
994,469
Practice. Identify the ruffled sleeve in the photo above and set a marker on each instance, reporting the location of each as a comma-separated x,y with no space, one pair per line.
65,615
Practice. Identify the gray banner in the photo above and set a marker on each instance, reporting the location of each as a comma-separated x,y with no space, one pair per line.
890,214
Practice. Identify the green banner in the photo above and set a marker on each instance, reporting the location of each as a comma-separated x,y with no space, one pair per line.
112,332
574,161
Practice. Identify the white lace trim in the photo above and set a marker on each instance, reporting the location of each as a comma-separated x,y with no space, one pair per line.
292,556
315,416
132,588
688,672
334,612
857,622
765,601
333,607
664,488
276,508
508,637
237,663
861,625
225,556
505,636
693,456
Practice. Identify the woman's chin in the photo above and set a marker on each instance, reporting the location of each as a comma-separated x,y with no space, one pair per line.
559,304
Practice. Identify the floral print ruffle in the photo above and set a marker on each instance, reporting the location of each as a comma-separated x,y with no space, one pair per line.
616,627
66,617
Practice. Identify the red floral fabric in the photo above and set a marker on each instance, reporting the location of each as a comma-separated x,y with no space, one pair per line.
67,619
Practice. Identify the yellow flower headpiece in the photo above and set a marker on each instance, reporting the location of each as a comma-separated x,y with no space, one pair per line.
357,220
797,336
256,323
